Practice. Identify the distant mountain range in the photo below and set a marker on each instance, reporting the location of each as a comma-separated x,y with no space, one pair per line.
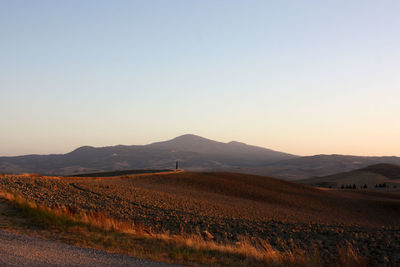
193,153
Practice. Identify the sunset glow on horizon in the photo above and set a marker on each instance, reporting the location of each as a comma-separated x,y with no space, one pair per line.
301,77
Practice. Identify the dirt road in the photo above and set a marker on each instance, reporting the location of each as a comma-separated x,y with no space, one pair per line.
21,250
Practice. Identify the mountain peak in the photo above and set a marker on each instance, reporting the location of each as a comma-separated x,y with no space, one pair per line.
83,149
188,137
236,143
189,142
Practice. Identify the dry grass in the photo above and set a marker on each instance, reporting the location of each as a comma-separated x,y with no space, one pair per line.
123,237
66,216
348,256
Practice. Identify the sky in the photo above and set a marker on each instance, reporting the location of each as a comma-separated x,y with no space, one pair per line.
303,77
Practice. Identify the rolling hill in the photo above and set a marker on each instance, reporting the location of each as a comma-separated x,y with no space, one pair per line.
319,165
370,176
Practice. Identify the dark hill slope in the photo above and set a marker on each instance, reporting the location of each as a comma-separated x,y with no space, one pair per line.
321,165
390,171
370,176
253,197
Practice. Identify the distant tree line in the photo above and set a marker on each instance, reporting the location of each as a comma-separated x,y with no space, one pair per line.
349,186
354,186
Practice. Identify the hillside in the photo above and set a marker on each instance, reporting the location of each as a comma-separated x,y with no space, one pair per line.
230,206
371,176
193,152
187,195
320,165
390,171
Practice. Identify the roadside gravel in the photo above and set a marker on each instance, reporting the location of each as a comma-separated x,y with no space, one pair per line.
21,250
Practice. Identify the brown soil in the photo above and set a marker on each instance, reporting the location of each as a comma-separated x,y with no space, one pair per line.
228,206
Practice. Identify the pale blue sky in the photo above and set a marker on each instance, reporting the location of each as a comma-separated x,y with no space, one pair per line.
304,77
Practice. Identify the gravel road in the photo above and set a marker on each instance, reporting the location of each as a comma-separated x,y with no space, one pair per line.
21,250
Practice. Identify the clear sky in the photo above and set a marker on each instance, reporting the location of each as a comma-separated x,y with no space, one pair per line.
304,77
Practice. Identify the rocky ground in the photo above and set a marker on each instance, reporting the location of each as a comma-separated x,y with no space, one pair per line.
233,206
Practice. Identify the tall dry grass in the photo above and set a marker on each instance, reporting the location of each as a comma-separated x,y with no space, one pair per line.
67,216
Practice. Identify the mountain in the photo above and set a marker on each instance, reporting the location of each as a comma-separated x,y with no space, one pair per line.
370,176
241,153
193,153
